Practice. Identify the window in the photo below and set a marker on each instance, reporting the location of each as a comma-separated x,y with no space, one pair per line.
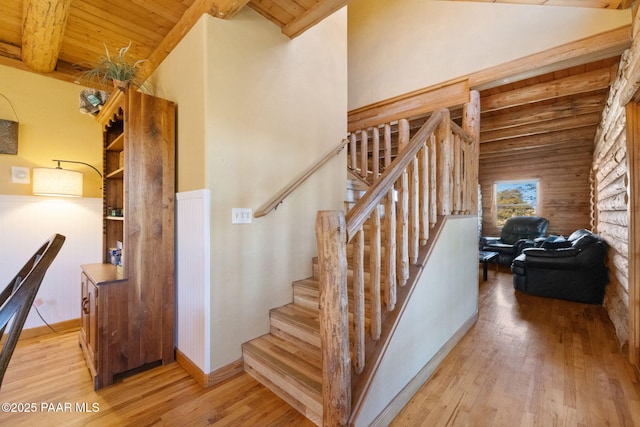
515,198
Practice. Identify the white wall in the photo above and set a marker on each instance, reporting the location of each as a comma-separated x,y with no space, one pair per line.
275,106
26,222
51,127
405,45
271,107
445,298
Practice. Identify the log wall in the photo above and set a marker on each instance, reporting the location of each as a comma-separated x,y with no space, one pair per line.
610,190
563,173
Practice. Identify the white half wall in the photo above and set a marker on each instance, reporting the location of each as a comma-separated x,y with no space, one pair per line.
444,300
26,222
193,277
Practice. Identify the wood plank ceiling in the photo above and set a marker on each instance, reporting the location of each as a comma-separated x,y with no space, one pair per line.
522,115
61,37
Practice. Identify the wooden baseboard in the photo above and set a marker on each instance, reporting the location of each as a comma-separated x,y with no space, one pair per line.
60,327
401,399
211,378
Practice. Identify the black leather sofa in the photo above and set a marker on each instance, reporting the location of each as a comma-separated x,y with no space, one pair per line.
517,234
571,269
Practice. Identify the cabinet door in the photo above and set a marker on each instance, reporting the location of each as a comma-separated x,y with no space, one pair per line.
90,317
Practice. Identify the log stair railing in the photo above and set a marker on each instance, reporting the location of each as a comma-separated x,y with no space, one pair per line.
314,356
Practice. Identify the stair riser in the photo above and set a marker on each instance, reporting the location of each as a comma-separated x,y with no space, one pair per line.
278,324
302,402
310,298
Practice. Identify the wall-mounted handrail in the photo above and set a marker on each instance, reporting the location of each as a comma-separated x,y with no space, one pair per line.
280,196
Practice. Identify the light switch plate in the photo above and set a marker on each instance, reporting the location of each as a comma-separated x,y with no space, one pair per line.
20,175
241,215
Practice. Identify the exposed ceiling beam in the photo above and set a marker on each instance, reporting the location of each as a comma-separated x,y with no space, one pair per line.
218,8
43,26
572,85
537,128
312,16
561,108
546,140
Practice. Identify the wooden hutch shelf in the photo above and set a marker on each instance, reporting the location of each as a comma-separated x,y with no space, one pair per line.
128,309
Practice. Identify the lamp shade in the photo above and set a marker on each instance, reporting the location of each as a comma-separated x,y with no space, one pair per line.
57,182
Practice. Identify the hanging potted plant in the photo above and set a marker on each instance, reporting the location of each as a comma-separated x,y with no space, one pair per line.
115,69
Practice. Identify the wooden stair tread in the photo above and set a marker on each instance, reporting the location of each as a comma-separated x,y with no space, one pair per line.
297,321
291,368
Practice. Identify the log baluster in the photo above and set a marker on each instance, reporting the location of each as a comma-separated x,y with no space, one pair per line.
375,155
358,301
414,212
444,165
457,188
423,176
433,181
402,259
374,274
364,154
353,151
390,249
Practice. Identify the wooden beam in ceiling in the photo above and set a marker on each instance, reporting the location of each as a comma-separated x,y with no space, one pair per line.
225,9
217,8
312,16
540,141
43,26
571,85
562,108
537,128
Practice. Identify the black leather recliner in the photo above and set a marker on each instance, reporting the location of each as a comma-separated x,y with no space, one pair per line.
517,234
573,269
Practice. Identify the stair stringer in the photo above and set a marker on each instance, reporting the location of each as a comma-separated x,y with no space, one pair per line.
442,290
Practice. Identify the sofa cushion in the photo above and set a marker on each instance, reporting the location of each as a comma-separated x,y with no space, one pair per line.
585,240
555,242
523,227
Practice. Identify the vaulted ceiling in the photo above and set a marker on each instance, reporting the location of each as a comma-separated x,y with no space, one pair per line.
59,37
520,111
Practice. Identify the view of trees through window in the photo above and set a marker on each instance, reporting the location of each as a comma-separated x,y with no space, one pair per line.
515,198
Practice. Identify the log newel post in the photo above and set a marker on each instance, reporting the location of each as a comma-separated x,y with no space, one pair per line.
334,318
471,124
444,164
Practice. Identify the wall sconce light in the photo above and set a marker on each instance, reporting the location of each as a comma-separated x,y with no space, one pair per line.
59,182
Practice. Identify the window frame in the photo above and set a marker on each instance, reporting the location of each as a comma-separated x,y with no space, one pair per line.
536,205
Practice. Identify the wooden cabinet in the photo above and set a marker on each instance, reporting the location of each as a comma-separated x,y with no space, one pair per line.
128,309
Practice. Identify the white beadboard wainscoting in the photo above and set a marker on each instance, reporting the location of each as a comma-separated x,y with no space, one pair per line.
26,222
193,277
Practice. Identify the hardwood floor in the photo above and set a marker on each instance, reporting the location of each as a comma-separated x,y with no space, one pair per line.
528,361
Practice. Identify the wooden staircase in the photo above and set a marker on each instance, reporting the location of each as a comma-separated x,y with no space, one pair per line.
433,176
287,360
